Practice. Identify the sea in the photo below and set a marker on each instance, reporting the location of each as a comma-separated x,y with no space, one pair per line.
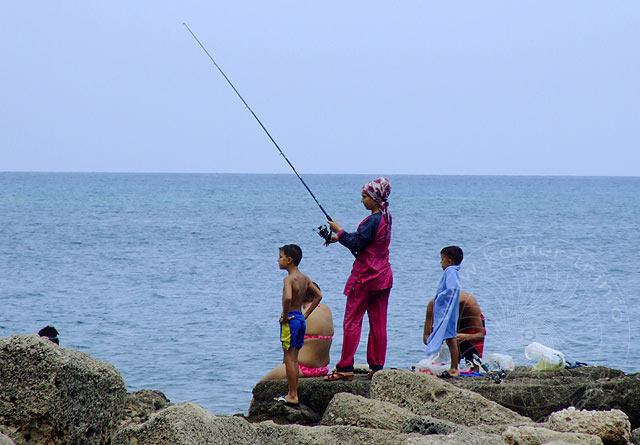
173,278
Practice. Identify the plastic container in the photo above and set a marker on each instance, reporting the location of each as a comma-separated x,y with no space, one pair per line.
499,361
547,357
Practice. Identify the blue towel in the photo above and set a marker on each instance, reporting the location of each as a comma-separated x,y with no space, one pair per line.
445,310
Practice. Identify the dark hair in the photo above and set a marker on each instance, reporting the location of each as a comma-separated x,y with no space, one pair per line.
454,253
293,251
51,333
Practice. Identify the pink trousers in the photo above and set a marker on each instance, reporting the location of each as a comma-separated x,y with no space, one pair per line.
375,303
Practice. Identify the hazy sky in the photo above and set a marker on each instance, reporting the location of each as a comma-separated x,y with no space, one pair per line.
416,87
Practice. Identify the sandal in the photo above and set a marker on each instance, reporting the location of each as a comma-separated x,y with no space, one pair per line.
370,374
337,375
446,375
282,399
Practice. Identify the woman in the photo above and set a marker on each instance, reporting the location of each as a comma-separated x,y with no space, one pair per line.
370,282
313,358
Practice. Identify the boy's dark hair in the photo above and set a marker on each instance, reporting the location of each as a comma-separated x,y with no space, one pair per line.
293,251
454,253
51,333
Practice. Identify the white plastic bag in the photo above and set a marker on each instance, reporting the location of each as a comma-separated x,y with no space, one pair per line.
436,363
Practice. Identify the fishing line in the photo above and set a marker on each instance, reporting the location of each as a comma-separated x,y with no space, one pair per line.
322,230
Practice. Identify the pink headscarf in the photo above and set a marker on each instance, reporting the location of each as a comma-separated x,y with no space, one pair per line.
379,190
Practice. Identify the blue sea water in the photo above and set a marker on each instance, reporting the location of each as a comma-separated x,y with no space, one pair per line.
173,278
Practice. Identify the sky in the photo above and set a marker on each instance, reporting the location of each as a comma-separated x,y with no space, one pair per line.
410,87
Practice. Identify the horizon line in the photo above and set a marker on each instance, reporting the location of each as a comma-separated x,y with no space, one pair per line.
319,174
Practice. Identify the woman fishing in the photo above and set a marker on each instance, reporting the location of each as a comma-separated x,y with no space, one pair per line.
370,282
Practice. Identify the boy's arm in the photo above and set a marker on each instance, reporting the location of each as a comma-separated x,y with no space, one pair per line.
317,296
287,293
428,323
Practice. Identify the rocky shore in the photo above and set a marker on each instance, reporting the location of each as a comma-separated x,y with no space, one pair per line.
55,395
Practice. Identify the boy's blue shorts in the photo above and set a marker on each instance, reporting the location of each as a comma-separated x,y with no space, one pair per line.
292,332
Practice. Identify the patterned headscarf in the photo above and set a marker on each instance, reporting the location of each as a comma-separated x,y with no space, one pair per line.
379,190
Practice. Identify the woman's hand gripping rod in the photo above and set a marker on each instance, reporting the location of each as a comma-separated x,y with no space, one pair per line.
322,230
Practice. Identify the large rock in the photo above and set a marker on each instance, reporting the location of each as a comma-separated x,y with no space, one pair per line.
314,393
270,433
51,394
283,414
531,435
188,424
611,426
349,409
536,394
5,440
635,436
139,405
431,396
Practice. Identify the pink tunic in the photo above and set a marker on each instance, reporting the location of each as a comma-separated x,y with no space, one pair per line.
371,269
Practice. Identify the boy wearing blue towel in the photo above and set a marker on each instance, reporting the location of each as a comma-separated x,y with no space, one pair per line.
446,310
293,321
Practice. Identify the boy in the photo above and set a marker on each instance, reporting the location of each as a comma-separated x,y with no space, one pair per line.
445,310
292,320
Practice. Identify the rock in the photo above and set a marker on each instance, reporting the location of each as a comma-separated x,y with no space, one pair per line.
611,426
141,404
51,394
635,436
427,425
270,433
536,394
187,423
5,440
431,396
532,435
349,409
283,414
315,393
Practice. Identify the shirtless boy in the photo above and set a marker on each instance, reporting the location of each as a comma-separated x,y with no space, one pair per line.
292,320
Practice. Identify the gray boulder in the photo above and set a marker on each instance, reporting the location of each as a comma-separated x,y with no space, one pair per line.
188,424
270,433
431,396
533,435
611,426
353,410
5,440
51,394
283,414
635,436
139,405
314,393
537,394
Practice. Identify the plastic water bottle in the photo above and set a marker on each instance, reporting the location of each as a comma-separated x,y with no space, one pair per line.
548,358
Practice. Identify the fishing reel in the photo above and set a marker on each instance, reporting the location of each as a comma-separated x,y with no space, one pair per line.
324,232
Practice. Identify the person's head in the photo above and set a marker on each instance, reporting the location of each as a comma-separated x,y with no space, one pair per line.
450,256
375,194
289,254
308,297
51,333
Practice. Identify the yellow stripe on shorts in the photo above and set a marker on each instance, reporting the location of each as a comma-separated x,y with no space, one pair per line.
285,336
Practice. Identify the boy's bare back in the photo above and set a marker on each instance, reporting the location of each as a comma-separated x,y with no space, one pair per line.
295,287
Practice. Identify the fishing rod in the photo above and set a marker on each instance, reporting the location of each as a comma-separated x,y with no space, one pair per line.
322,230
